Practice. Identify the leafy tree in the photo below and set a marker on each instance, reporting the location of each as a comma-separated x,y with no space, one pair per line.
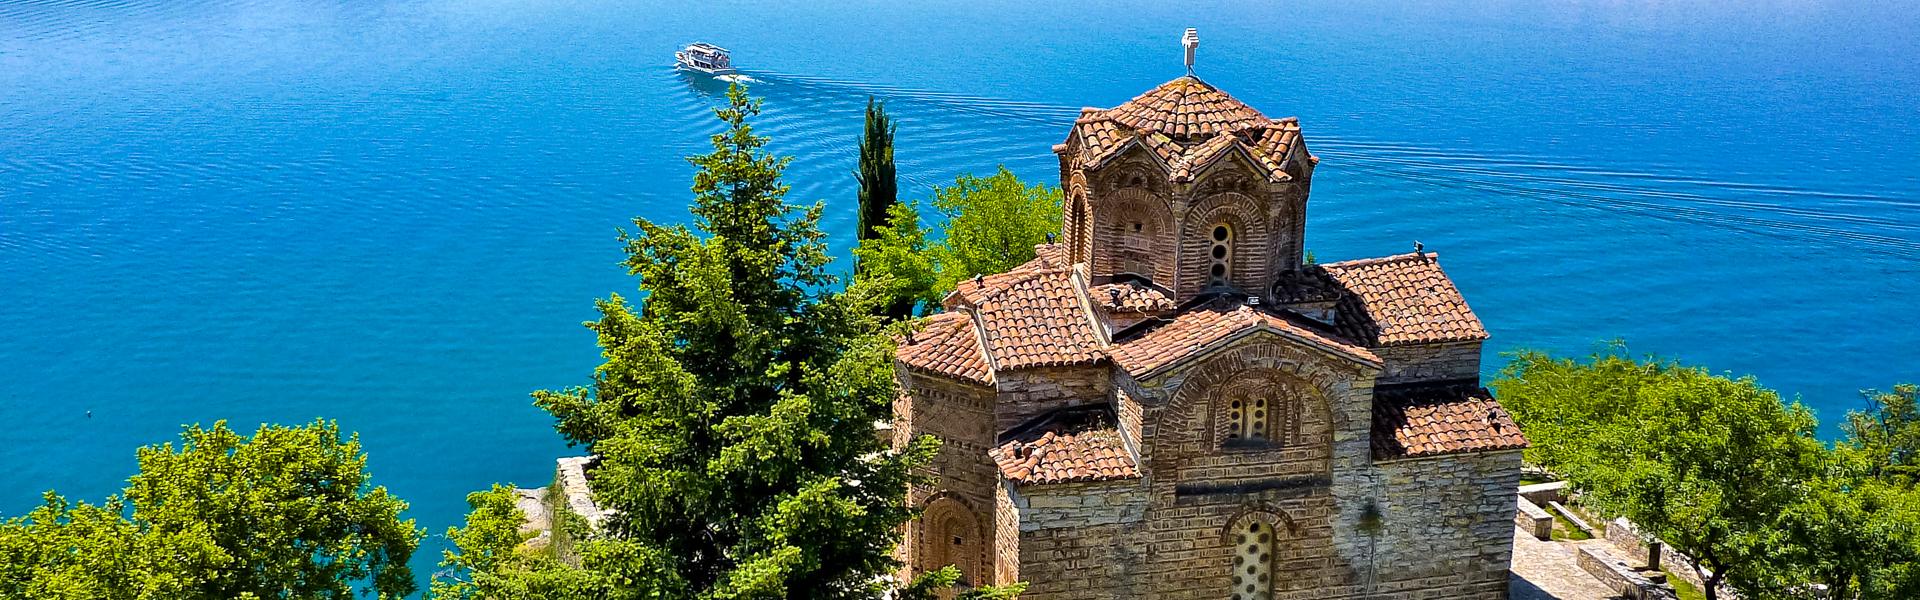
992,225
1705,463
287,513
1853,534
492,551
734,416
1560,403
1888,432
901,262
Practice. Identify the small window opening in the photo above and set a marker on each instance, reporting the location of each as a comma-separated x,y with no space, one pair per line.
1252,562
1222,256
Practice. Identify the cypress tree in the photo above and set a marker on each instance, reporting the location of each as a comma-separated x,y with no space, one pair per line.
879,190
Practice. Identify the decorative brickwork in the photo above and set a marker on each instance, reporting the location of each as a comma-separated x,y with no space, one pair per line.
1169,405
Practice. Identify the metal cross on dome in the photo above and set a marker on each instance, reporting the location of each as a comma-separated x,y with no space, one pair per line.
1190,41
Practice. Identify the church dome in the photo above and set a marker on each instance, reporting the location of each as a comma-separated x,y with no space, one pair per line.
1186,109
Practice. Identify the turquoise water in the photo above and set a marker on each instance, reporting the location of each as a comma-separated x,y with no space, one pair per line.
396,213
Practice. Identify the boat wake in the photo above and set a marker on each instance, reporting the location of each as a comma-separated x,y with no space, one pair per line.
1508,180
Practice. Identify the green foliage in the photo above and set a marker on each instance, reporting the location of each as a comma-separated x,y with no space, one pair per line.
287,513
901,263
491,554
1724,471
929,586
992,225
879,189
1888,432
733,417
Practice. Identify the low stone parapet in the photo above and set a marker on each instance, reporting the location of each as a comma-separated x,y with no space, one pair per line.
1534,520
1542,493
1616,573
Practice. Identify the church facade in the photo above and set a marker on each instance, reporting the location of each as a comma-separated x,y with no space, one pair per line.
1172,402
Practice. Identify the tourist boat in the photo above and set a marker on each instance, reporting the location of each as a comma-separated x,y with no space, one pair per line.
705,58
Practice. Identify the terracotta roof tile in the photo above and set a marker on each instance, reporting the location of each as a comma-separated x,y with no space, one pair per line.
946,345
1432,420
1053,457
1150,348
1186,124
1186,107
1403,299
1034,319
1132,297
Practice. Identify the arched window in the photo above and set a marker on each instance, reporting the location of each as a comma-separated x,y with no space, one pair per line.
1247,418
1222,256
951,536
1253,561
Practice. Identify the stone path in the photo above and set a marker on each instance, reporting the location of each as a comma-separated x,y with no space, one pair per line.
1546,571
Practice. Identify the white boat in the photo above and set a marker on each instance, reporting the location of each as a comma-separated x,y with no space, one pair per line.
705,58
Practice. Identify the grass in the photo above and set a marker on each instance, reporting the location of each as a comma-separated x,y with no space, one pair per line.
1684,590
1564,529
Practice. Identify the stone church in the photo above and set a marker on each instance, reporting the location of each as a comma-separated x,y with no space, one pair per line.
1170,403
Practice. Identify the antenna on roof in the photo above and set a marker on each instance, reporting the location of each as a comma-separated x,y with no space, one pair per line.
1190,41
1418,248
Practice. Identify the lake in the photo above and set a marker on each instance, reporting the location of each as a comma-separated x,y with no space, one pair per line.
397,213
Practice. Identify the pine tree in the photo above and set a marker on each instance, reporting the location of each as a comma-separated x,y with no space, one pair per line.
734,416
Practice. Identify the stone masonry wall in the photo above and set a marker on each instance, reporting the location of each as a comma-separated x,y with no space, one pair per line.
1205,491
1078,540
1446,526
1028,393
1429,362
961,416
1006,536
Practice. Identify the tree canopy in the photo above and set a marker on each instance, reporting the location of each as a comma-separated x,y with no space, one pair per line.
1725,471
733,419
989,225
287,513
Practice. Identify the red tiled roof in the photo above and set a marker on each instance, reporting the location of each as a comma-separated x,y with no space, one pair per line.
1035,319
1186,107
1095,455
1187,124
1434,420
1403,299
1131,297
946,345
1200,326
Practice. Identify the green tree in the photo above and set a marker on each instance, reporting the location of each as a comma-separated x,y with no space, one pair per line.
492,560
1705,463
1560,402
287,513
1888,432
879,188
901,263
992,225
734,415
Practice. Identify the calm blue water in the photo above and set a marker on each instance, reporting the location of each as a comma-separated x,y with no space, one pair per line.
396,213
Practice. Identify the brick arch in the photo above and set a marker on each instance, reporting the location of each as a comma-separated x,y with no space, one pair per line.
1263,513
1297,415
1078,221
1134,173
1247,216
1187,420
1118,248
945,519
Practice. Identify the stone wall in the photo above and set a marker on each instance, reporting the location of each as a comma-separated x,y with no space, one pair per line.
1079,540
961,416
1028,393
1429,362
1006,536
1446,526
